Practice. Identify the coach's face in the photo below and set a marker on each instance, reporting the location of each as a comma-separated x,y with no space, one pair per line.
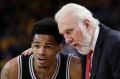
76,33
44,49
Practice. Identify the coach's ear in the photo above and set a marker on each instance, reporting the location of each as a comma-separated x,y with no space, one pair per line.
87,23
90,29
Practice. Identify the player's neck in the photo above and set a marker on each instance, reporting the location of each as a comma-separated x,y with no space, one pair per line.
45,73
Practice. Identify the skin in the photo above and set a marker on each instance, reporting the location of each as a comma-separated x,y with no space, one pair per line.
10,70
45,49
77,34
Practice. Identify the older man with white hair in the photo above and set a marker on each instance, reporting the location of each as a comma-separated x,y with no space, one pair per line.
98,44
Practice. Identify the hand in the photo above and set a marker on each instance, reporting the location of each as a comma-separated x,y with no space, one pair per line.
27,52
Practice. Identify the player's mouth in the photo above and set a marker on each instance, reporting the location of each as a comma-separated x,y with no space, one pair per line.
41,60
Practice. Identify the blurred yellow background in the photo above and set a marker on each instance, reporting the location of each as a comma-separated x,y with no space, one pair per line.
18,16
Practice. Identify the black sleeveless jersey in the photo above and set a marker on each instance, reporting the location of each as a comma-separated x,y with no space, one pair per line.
26,71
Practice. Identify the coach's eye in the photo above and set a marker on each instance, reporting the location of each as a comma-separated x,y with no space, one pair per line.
69,31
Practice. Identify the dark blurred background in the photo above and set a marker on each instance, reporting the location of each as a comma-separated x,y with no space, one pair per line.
18,16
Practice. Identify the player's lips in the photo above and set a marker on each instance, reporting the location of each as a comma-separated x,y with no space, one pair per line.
41,60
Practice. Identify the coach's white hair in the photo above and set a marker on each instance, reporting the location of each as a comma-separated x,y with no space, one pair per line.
81,13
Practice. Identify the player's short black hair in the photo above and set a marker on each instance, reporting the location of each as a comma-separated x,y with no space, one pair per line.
49,27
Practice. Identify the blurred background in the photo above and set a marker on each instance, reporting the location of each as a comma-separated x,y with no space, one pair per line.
18,16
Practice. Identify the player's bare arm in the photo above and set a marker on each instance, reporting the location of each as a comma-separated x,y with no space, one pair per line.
10,70
76,68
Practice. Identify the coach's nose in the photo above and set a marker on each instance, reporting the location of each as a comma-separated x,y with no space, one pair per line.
68,39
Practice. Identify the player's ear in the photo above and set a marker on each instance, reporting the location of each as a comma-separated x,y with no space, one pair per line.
60,47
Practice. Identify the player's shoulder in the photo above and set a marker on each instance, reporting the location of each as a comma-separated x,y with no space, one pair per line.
75,68
10,69
73,57
11,65
75,60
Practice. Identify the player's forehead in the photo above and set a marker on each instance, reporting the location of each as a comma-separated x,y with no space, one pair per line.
44,38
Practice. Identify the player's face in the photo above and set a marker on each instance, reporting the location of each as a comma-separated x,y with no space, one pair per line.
44,49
